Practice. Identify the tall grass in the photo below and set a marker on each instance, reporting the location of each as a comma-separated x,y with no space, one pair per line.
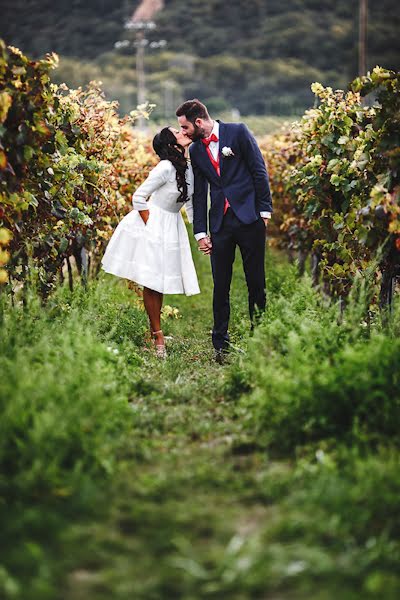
314,373
65,378
63,392
123,477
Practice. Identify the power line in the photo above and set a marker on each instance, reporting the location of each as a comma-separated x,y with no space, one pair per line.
362,38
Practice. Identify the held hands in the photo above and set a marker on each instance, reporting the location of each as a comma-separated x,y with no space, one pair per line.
205,245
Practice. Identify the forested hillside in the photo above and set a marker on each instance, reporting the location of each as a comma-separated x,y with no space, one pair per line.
259,56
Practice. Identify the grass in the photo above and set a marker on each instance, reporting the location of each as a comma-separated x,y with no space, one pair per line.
312,375
124,477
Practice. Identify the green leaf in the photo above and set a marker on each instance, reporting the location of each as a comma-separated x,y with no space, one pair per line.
31,199
63,245
28,153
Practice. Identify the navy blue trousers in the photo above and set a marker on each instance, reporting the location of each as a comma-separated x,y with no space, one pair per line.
251,242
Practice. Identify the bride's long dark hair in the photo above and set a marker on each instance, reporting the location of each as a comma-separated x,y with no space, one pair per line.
167,148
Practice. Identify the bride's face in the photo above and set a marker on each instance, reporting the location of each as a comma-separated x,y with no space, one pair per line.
181,138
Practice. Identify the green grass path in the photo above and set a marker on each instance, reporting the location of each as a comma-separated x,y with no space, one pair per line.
184,507
129,478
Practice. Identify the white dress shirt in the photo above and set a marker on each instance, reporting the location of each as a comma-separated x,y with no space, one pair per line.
214,149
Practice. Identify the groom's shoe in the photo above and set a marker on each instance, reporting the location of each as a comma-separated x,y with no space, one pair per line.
220,356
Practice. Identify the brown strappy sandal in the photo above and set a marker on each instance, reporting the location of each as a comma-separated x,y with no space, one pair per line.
161,351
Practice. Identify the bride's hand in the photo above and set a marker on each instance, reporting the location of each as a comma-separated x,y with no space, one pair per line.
145,215
205,245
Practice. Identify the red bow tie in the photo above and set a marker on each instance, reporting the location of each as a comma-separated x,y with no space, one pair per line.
207,141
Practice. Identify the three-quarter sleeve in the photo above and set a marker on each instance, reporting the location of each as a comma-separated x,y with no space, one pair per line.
189,210
156,179
190,187
189,180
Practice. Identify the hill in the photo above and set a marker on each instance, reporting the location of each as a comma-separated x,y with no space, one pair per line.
256,56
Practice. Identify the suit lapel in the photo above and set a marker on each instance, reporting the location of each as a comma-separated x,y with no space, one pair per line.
222,144
204,160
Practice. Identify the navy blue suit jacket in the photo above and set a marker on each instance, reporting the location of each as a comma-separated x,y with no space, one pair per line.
244,179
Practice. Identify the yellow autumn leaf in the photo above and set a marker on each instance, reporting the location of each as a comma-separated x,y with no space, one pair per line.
3,160
394,226
5,236
4,257
3,276
5,103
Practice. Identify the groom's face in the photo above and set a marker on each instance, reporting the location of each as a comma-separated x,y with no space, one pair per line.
195,131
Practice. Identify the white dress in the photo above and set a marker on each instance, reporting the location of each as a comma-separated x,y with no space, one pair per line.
156,255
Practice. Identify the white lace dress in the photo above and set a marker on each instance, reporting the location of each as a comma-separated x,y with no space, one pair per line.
156,255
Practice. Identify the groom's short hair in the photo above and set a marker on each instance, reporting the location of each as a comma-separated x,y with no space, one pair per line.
192,110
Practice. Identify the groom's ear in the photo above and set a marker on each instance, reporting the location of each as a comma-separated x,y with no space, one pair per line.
198,122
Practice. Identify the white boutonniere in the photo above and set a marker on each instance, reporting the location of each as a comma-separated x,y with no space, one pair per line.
226,151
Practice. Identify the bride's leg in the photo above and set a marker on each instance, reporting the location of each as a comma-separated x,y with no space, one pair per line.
153,302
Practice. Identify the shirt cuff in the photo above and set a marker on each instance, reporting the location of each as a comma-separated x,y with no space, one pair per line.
139,205
200,236
265,214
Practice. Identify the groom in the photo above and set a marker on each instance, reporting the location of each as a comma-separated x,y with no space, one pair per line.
226,157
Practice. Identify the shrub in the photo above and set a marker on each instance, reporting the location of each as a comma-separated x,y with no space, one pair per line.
63,393
314,376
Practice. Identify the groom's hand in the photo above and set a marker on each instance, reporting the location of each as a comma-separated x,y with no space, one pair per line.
265,221
205,245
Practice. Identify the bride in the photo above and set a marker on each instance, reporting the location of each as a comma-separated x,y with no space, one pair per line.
150,246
